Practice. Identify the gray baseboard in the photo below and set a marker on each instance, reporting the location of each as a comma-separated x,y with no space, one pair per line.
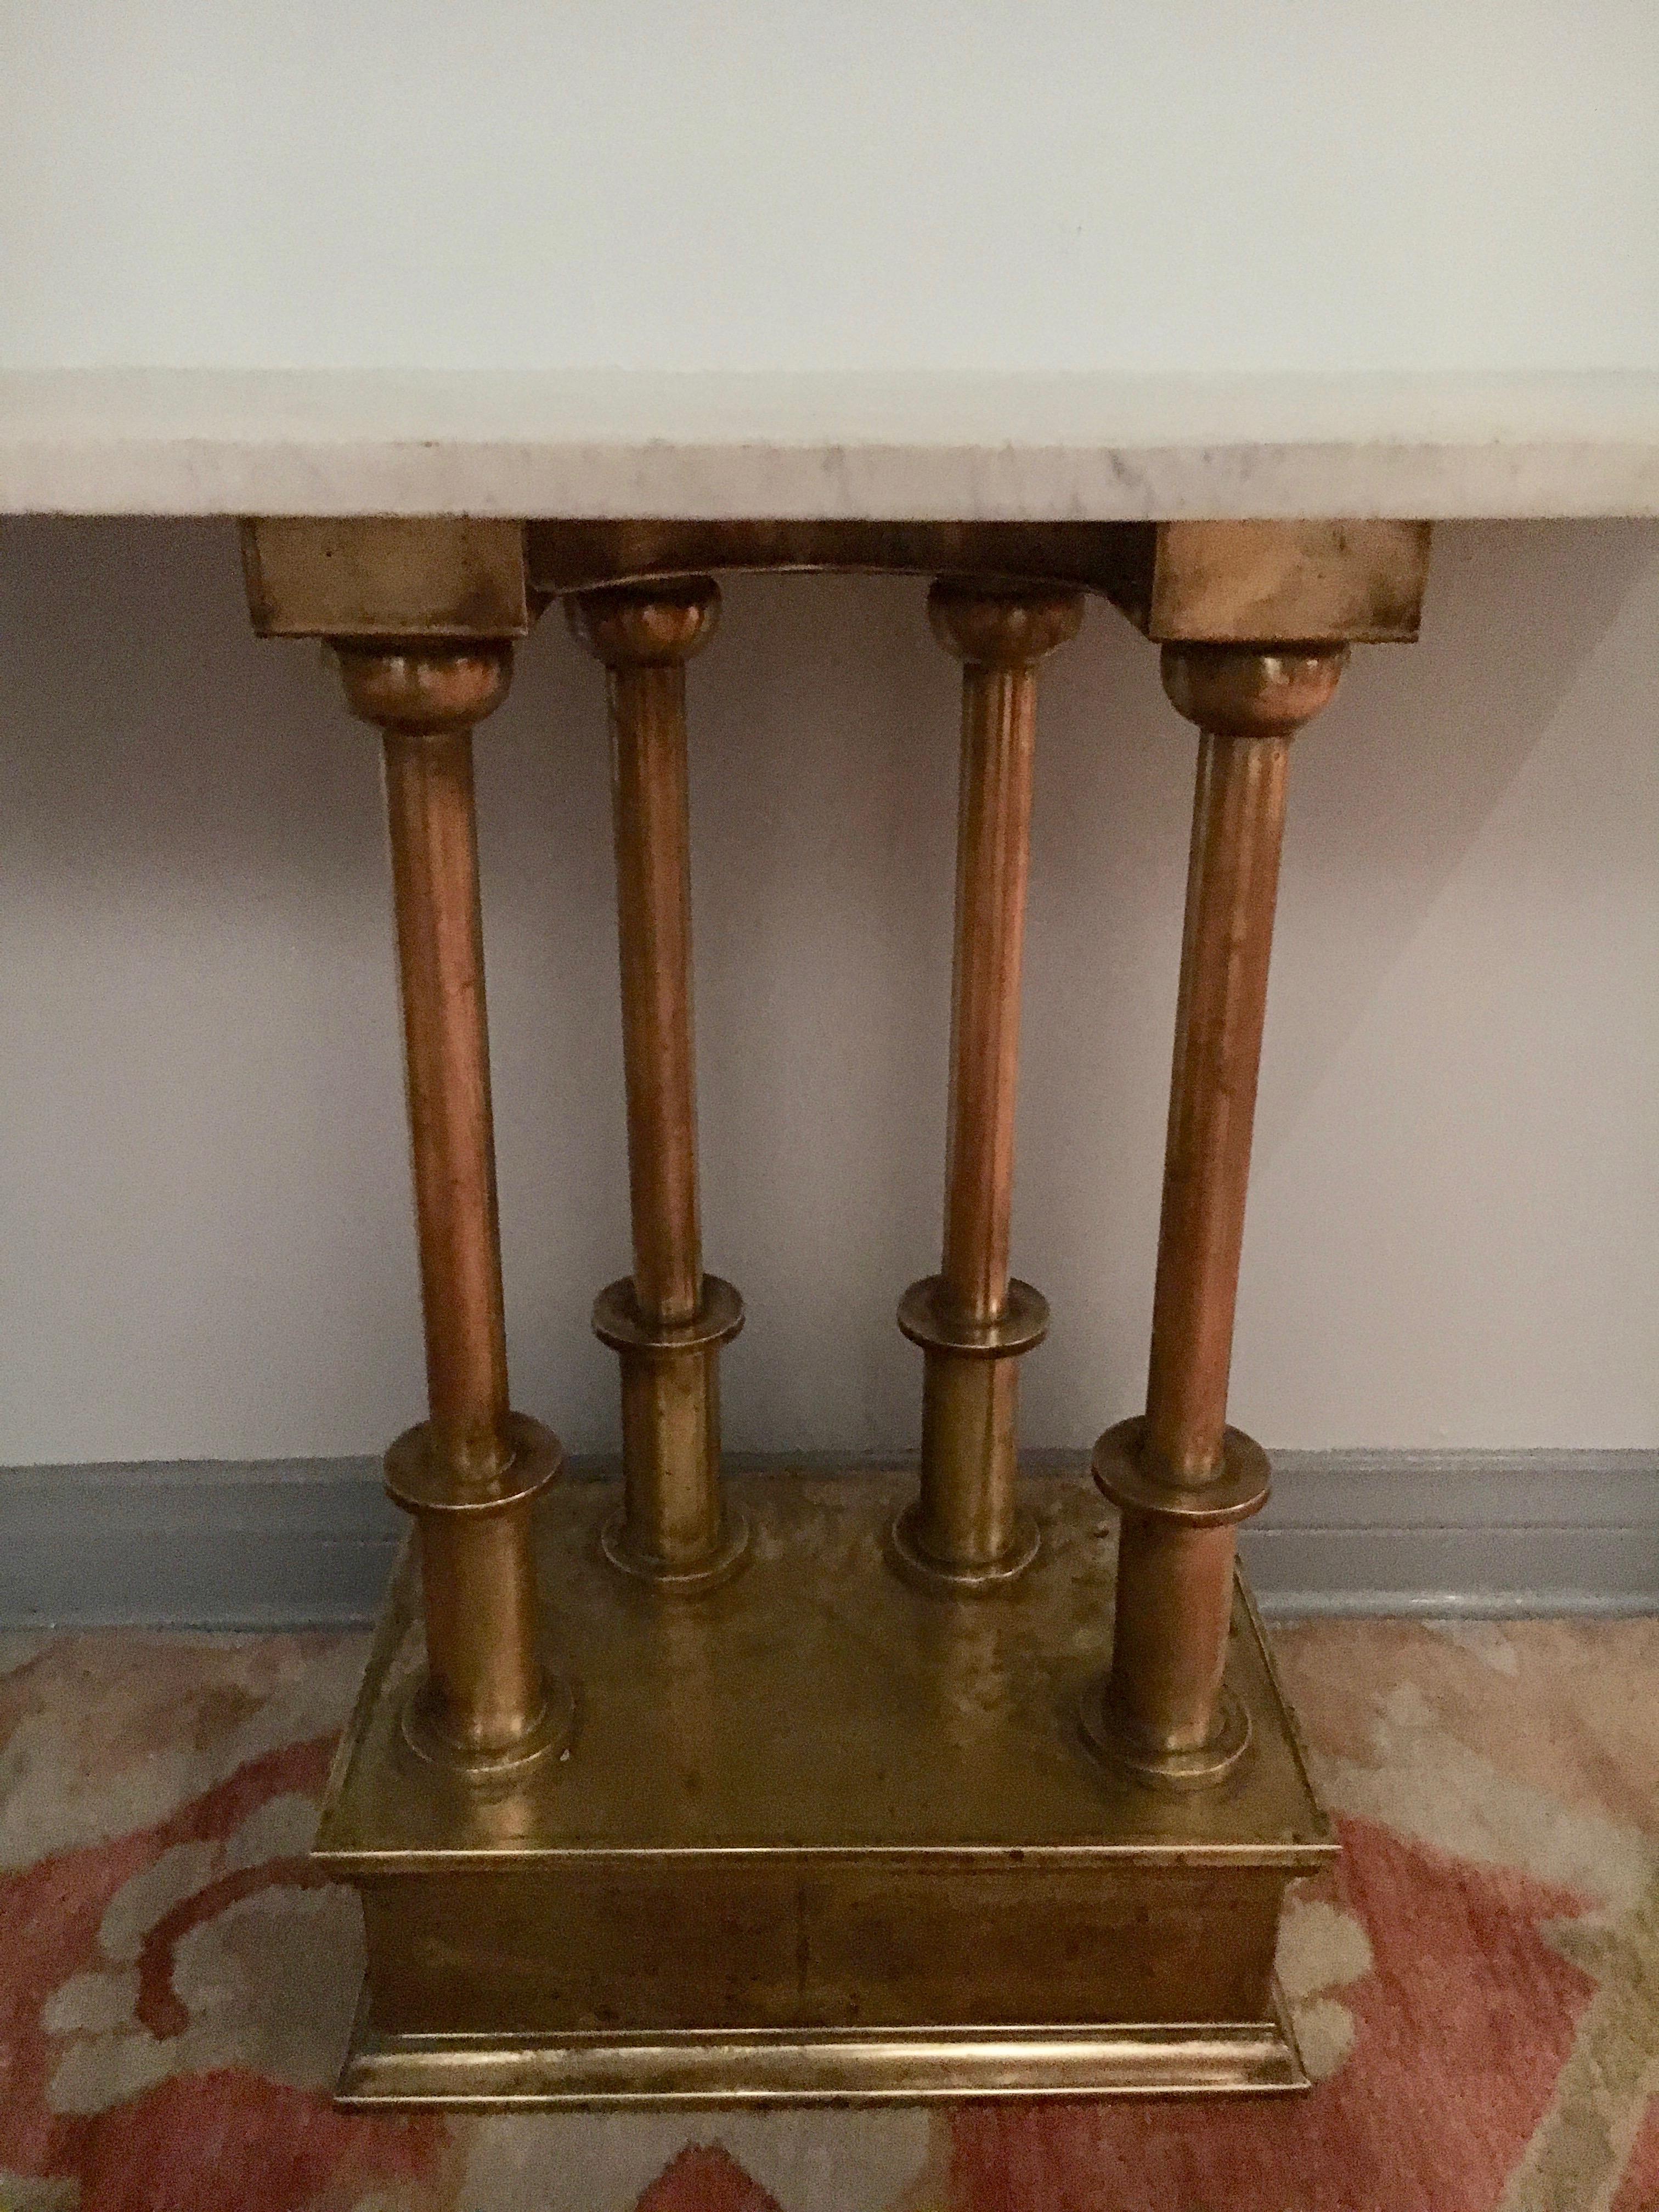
196,1544
1473,1533
309,1543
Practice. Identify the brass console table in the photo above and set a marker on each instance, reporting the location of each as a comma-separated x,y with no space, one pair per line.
869,1787
824,1788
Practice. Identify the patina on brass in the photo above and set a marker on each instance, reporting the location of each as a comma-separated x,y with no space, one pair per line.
819,1837
1181,1477
422,614
380,576
472,1472
822,1835
668,1322
973,1321
1239,582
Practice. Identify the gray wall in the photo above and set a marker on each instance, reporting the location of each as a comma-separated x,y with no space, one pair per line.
205,1243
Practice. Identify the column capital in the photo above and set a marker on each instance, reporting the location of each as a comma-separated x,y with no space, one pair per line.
646,625
420,689
1319,583
993,625
1251,690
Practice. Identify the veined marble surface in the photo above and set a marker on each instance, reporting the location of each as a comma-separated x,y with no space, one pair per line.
943,445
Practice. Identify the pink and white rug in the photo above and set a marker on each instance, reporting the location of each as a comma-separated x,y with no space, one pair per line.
1478,1987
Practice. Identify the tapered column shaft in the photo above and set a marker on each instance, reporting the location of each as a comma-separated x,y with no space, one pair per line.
971,1318
471,1472
969,1411
1232,885
993,847
434,875
669,1320
1181,1478
650,815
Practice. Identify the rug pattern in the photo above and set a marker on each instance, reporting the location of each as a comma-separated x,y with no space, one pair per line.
1476,1986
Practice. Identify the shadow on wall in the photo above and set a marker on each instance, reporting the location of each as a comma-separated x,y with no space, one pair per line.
205,1248
1394,783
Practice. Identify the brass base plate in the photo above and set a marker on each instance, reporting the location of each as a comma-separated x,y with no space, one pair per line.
831,2067
818,1836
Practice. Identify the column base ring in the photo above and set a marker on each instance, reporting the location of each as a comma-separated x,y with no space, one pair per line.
1126,1473
926,1317
549,1737
690,1580
918,1567
418,1478
1129,1753
618,1323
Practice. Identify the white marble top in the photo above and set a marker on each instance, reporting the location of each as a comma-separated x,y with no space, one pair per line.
934,445
717,257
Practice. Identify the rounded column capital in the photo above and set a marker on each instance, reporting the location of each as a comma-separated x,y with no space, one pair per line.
422,689
992,625
646,625
1251,690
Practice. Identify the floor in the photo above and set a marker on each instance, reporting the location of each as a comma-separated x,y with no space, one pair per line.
1477,1988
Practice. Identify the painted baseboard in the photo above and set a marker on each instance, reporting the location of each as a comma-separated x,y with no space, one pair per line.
196,1544
1458,1532
293,1543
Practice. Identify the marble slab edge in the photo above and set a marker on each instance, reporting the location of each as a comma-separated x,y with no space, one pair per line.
915,445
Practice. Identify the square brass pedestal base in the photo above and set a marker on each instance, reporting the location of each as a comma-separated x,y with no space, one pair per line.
818,1837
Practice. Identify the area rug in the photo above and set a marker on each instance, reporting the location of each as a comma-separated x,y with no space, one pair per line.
1477,1987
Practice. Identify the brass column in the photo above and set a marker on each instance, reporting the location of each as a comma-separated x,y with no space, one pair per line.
1181,1479
668,1320
973,1320
470,1474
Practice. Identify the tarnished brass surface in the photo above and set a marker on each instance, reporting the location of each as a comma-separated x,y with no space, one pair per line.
817,1834
385,577
434,877
912,1720
375,576
671,1423
472,1472
1248,583
930,1317
824,1834
965,1530
1000,638
821,2066
1180,1487
645,643
1129,1473
666,1327
1247,707
1241,581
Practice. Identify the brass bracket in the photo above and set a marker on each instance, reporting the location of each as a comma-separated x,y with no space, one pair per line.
384,576
1251,583
1232,582
1243,582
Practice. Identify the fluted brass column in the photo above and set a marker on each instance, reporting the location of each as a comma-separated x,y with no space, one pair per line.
668,1320
973,1320
471,1472
1181,1479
